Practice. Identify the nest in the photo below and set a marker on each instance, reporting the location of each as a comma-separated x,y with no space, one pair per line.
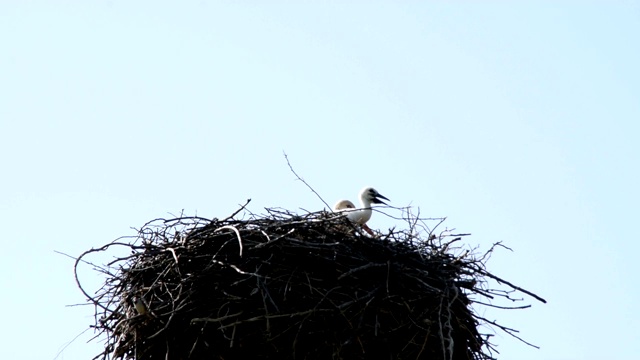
288,286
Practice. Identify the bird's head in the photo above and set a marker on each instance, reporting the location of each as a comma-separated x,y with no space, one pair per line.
372,196
343,204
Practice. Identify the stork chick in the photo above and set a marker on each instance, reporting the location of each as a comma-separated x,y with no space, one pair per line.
368,196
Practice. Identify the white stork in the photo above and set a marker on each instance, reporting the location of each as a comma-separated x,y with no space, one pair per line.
368,196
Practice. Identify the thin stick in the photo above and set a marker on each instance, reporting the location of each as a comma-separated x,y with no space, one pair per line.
509,331
237,234
513,286
301,179
237,211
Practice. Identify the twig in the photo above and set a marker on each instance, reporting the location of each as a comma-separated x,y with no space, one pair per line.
304,182
507,330
173,252
219,319
366,266
513,286
237,211
237,234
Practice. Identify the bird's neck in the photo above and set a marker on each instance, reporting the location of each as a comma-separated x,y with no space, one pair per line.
366,204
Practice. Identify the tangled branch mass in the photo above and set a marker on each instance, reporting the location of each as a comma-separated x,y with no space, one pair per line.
289,286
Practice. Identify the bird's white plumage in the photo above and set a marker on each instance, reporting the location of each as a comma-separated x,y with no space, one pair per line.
343,205
360,216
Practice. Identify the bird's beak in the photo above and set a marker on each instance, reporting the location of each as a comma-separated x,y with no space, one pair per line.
376,199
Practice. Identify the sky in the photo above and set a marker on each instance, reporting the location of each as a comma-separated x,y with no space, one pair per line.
515,120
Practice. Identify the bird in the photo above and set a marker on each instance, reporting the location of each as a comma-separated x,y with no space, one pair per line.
368,196
140,306
342,205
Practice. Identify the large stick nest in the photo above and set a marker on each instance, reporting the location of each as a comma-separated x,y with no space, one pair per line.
285,286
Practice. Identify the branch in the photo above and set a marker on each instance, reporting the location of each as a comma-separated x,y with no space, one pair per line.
301,179
509,331
513,286
237,211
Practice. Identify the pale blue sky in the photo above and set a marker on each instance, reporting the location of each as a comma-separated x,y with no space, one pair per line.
517,121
